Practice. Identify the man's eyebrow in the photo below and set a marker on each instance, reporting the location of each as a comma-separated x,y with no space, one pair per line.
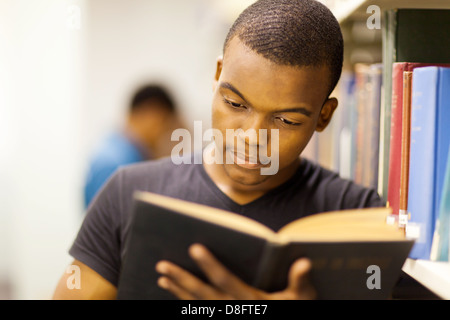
301,110
229,86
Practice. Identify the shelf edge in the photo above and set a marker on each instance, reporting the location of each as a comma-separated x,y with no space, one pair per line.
434,275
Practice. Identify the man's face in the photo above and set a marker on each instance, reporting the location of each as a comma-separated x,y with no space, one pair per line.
251,92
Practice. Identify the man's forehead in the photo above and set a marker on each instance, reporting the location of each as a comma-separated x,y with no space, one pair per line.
260,81
239,61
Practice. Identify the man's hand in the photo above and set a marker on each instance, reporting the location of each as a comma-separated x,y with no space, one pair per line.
224,285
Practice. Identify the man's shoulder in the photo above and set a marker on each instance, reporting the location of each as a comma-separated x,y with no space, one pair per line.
341,192
148,165
322,175
158,175
315,172
159,166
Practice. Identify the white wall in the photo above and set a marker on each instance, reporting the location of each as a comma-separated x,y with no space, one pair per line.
40,171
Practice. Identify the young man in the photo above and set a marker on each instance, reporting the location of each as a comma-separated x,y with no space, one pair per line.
280,63
150,115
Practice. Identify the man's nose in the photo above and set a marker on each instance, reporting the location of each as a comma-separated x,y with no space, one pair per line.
253,130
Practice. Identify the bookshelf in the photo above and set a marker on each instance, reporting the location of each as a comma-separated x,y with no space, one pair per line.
433,275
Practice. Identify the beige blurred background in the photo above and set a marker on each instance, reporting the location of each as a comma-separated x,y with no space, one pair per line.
67,69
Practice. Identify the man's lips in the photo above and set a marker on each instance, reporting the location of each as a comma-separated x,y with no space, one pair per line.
245,161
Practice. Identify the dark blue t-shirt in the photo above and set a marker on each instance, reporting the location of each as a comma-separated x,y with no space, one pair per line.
312,189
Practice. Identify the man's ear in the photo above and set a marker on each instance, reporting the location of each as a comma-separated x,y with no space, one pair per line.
326,114
218,71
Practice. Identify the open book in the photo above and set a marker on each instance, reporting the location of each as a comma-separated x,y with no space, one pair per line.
355,254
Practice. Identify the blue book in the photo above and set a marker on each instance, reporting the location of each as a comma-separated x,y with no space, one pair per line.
441,240
430,140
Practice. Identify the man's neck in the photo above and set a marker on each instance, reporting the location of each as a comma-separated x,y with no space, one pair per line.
241,193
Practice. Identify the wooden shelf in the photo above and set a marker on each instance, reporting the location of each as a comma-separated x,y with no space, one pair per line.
433,275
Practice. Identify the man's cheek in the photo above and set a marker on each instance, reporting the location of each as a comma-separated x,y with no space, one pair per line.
289,152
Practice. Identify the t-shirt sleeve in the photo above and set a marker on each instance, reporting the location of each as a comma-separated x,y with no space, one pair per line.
351,195
370,198
97,243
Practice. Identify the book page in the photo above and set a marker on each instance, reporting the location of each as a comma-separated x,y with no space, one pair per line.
367,224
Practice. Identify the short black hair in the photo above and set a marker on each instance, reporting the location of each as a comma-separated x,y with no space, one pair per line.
152,92
292,32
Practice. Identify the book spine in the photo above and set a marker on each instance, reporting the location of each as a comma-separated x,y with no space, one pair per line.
353,130
441,239
362,77
405,149
374,127
422,160
366,110
389,56
443,132
345,134
381,164
442,148
395,137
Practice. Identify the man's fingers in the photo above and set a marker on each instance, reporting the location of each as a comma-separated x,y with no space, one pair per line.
298,272
225,285
299,281
182,283
175,289
220,276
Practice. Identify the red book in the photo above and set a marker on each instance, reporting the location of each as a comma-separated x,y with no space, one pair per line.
395,153
406,137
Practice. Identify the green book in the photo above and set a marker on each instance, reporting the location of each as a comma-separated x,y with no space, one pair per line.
409,35
441,241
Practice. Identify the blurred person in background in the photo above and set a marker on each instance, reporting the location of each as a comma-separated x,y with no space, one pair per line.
151,118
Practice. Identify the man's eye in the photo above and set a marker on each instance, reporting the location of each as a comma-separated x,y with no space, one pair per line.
234,104
285,121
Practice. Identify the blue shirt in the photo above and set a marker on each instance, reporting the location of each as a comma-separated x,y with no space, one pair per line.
118,149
